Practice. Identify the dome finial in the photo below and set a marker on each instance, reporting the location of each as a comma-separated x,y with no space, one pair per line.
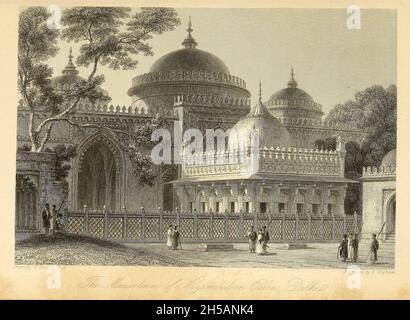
260,91
189,41
70,67
292,82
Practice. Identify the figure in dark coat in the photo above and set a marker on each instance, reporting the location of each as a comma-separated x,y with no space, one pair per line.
374,246
176,239
46,221
342,250
355,244
252,237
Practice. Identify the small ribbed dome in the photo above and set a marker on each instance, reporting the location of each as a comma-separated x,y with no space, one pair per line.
190,59
291,93
389,159
69,75
271,131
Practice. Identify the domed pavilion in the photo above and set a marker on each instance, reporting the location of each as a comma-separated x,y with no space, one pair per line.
192,81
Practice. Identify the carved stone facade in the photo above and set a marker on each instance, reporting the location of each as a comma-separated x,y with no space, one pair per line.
197,88
379,198
36,185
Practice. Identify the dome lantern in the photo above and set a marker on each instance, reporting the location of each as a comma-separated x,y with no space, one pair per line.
292,82
189,42
70,68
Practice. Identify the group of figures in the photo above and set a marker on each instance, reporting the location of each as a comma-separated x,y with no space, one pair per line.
173,238
348,249
51,219
258,241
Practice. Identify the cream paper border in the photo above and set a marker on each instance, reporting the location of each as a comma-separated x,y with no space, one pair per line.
197,283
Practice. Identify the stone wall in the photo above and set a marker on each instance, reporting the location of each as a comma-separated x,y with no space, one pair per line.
39,168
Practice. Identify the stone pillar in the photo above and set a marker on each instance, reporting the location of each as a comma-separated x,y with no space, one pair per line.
124,223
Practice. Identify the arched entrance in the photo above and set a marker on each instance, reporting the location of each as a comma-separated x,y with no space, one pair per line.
391,215
99,175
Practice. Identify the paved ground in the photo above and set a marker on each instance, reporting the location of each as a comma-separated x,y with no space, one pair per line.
62,249
318,255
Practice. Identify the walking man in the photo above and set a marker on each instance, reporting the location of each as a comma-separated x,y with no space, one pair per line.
374,246
176,238
46,221
355,244
252,236
265,238
342,249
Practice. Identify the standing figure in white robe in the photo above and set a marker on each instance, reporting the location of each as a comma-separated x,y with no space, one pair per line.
259,243
350,249
169,237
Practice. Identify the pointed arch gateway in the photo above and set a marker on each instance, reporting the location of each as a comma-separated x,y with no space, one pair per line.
100,173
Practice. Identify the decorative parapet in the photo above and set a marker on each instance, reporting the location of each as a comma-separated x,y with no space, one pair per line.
89,108
295,103
272,161
379,172
179,75
211,100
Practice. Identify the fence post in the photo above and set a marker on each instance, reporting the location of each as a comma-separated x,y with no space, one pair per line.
309,229
344,224
296,225
226,225
195,235
105,222
283,227
241,226
333,227
354,222
161,224
142,223
124,224
211,225
66,219
321,226
85,225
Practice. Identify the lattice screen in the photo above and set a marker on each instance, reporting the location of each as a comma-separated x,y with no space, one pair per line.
315,229
276,227
203,228
303,227
219,228
152,228
327,229
75,225
290,229
187,228
349,224
339,229
115,228
133,228
233,228
96,227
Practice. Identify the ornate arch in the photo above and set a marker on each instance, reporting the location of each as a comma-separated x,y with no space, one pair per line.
110,141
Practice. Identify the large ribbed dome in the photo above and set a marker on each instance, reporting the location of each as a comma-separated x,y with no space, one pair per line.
190,59
270,130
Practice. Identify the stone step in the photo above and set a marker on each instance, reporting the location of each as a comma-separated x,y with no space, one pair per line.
222,247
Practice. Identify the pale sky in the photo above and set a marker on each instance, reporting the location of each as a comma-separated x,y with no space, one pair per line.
330,61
